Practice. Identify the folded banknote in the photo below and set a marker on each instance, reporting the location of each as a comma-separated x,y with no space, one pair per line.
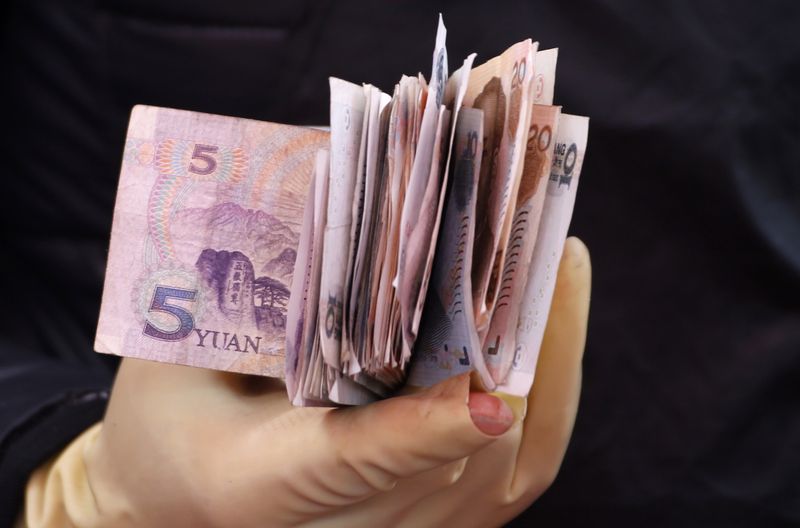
416,240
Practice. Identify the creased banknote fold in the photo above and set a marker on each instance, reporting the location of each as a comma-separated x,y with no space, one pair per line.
416,240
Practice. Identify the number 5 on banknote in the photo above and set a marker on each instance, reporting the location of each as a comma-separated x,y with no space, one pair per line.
161,304
203,153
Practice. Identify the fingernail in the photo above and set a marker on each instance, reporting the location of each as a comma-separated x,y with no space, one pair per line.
490,414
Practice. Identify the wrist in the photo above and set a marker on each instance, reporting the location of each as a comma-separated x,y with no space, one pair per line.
60,492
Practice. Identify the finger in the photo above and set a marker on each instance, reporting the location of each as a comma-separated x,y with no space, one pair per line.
401,437
395,505
478,495
368,449
409,491
553,401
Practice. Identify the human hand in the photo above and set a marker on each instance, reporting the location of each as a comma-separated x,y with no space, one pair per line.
181,446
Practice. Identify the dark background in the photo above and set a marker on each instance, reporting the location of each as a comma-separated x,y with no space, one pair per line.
689,203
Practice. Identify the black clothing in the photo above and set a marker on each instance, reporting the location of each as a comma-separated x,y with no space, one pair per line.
689,202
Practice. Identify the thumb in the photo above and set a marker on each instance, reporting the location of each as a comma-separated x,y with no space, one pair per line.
400,437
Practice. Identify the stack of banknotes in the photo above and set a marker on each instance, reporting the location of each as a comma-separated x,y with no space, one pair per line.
417,239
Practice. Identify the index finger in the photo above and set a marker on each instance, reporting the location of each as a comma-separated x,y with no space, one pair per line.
553,401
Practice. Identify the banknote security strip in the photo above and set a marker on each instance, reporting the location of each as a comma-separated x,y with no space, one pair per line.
416,239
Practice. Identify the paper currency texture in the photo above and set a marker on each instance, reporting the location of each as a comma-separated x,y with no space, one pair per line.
415,241
204,240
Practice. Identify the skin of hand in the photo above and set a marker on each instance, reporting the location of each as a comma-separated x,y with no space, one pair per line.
182,446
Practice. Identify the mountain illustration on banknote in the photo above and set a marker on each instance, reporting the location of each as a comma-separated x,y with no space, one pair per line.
241,296
281,266
259,235
245,263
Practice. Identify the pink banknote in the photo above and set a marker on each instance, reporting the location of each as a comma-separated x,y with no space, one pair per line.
204,240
